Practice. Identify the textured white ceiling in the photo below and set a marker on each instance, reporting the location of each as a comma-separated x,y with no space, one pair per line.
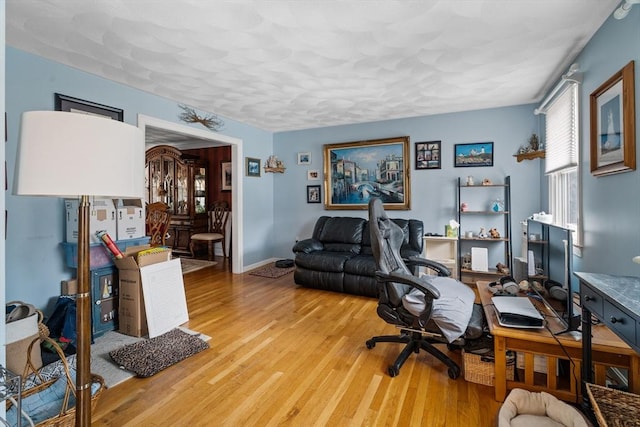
284,65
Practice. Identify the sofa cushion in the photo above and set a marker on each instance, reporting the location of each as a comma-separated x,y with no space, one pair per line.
342,230
361,265
323,260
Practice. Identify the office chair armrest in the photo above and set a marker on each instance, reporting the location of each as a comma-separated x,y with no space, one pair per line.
441,269
413,281
307,246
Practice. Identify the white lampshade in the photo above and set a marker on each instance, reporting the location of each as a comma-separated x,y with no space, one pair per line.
67,154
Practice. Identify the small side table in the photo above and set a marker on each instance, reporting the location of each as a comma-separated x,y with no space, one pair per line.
11,386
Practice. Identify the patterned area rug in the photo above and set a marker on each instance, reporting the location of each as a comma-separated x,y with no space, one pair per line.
190,265
102,364
271,271
148,357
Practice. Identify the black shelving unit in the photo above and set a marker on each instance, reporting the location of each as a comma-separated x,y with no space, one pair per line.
499,219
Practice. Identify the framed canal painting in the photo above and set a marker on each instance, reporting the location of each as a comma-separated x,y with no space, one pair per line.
357,171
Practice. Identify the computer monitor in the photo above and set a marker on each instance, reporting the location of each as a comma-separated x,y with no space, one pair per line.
554,248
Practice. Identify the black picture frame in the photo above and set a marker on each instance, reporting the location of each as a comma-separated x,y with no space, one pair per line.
476,154
225,176
428,155
77,105
313,194
252,166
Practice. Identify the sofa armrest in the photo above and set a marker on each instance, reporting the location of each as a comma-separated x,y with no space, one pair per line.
307,246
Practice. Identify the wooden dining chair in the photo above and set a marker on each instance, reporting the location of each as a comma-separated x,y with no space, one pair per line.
157,223
218,216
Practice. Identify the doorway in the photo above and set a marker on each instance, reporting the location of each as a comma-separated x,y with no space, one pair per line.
162,132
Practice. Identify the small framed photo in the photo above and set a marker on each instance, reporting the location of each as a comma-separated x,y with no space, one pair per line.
613,137
313,194
475,154
76,105
253,166
428,155
304,158
313,175
225,179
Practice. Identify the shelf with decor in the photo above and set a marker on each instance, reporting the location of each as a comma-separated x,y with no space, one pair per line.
485,207
530,155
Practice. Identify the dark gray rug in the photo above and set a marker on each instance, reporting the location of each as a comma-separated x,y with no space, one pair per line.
271,271
148,357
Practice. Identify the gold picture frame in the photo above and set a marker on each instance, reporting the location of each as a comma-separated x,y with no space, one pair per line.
612,120
354,172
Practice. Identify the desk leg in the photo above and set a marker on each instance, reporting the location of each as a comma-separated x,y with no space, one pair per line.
587,365
634,375
500,354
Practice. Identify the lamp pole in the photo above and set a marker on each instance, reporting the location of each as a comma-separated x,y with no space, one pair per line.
83,320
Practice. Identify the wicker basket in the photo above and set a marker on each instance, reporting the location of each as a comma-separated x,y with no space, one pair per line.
67,415
480,368
614,407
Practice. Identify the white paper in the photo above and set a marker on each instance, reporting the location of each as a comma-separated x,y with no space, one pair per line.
531,264
164,298
479,259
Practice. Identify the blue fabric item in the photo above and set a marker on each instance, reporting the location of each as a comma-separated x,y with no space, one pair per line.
46,403
62,322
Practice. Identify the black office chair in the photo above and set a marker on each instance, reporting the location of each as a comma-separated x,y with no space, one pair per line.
407,301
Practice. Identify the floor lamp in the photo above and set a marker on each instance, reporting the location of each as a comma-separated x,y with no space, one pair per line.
72,155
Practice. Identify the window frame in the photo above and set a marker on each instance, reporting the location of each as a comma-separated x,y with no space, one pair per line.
560,180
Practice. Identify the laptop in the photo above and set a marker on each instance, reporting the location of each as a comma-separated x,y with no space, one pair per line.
517,312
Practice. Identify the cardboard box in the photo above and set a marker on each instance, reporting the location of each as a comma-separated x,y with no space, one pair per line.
69,287
102,216
132,317
539,362
130,219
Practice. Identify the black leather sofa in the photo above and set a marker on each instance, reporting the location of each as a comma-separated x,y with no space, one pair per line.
338,256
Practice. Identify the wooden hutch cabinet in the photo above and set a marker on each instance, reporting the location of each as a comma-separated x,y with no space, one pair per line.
179,181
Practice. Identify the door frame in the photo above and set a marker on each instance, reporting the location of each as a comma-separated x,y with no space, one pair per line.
206,139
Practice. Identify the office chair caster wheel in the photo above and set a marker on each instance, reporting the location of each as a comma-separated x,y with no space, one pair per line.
370,344
454,373
393,371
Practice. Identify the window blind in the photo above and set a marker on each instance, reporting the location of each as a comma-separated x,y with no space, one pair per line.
562,131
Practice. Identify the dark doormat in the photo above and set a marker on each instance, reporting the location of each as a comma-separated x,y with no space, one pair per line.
148,357
271,271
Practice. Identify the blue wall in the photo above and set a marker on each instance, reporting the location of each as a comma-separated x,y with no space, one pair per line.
611,204
433,192
34,259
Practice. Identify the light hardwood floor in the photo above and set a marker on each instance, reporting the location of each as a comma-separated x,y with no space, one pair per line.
285,355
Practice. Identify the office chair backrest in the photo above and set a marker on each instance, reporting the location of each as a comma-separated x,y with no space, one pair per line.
386,240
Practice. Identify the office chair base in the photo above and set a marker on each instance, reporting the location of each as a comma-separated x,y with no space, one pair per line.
414,343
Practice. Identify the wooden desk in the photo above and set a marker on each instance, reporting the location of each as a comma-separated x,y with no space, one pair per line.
607,350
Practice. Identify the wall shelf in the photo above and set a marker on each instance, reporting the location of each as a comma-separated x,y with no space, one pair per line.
530,156
274,170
